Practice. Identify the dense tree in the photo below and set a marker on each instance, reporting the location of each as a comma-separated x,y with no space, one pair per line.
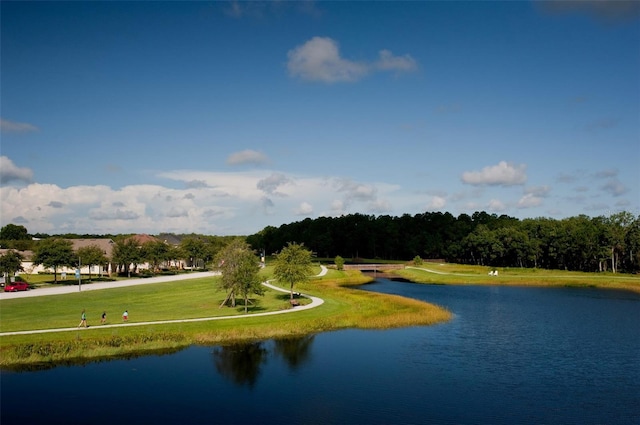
54,253
195,248
92,255
293,265
240,268
126,252
14,232
155,253
11,262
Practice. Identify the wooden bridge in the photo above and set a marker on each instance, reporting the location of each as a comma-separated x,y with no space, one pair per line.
373,267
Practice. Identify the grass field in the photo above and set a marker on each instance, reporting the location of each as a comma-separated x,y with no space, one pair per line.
445,273
344,307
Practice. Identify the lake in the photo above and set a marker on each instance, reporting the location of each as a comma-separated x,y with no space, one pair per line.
510,355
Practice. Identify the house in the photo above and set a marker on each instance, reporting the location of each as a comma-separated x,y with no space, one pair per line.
106,245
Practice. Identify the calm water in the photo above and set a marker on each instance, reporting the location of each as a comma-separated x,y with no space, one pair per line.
509,356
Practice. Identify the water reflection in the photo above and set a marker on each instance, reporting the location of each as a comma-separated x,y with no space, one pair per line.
242,363
295,351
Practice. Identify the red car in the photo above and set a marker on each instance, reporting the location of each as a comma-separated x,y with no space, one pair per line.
16,286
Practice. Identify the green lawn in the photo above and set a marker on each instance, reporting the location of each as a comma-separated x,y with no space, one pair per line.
343,308
184,299
459,274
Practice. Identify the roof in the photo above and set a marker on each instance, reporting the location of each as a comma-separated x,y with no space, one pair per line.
26,254
169,238
143,238
105,244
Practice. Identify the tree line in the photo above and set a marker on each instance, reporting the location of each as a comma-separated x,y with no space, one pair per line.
579,243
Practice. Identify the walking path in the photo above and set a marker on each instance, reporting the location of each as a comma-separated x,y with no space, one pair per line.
315,302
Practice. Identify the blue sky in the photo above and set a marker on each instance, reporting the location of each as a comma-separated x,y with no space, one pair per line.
226,117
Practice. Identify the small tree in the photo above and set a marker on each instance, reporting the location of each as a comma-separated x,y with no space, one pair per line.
293,265
417,260
53,252
339,261
11,262
240,268
90,256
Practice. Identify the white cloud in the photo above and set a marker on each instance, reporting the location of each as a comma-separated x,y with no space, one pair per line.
502,174
529,200
496,205
271,184
436,203
16,127
9,172
303,209
232,203
247,156
538,191
389,62
319,59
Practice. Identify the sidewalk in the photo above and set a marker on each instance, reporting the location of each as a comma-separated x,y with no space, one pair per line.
315,302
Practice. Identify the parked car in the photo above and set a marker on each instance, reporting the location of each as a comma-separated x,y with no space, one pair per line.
18,285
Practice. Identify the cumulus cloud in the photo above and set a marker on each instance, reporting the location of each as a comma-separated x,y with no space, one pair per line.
9,172
177,212
16,127
196,184
319,59
388,62
303,209
502,174
529,200
539,191
436,203
247,156
116,214
271,184
356,191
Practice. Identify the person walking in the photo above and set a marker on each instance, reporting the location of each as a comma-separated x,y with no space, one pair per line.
103,319
83,319
125,315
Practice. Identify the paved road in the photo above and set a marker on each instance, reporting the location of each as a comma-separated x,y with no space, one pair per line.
315,301
68,289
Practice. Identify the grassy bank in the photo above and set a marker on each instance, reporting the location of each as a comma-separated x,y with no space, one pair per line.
457,274
344,307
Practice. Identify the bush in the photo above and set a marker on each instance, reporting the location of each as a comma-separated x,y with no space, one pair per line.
339,262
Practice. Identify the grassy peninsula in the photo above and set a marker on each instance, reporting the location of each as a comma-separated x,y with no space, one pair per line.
458,274
344,307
